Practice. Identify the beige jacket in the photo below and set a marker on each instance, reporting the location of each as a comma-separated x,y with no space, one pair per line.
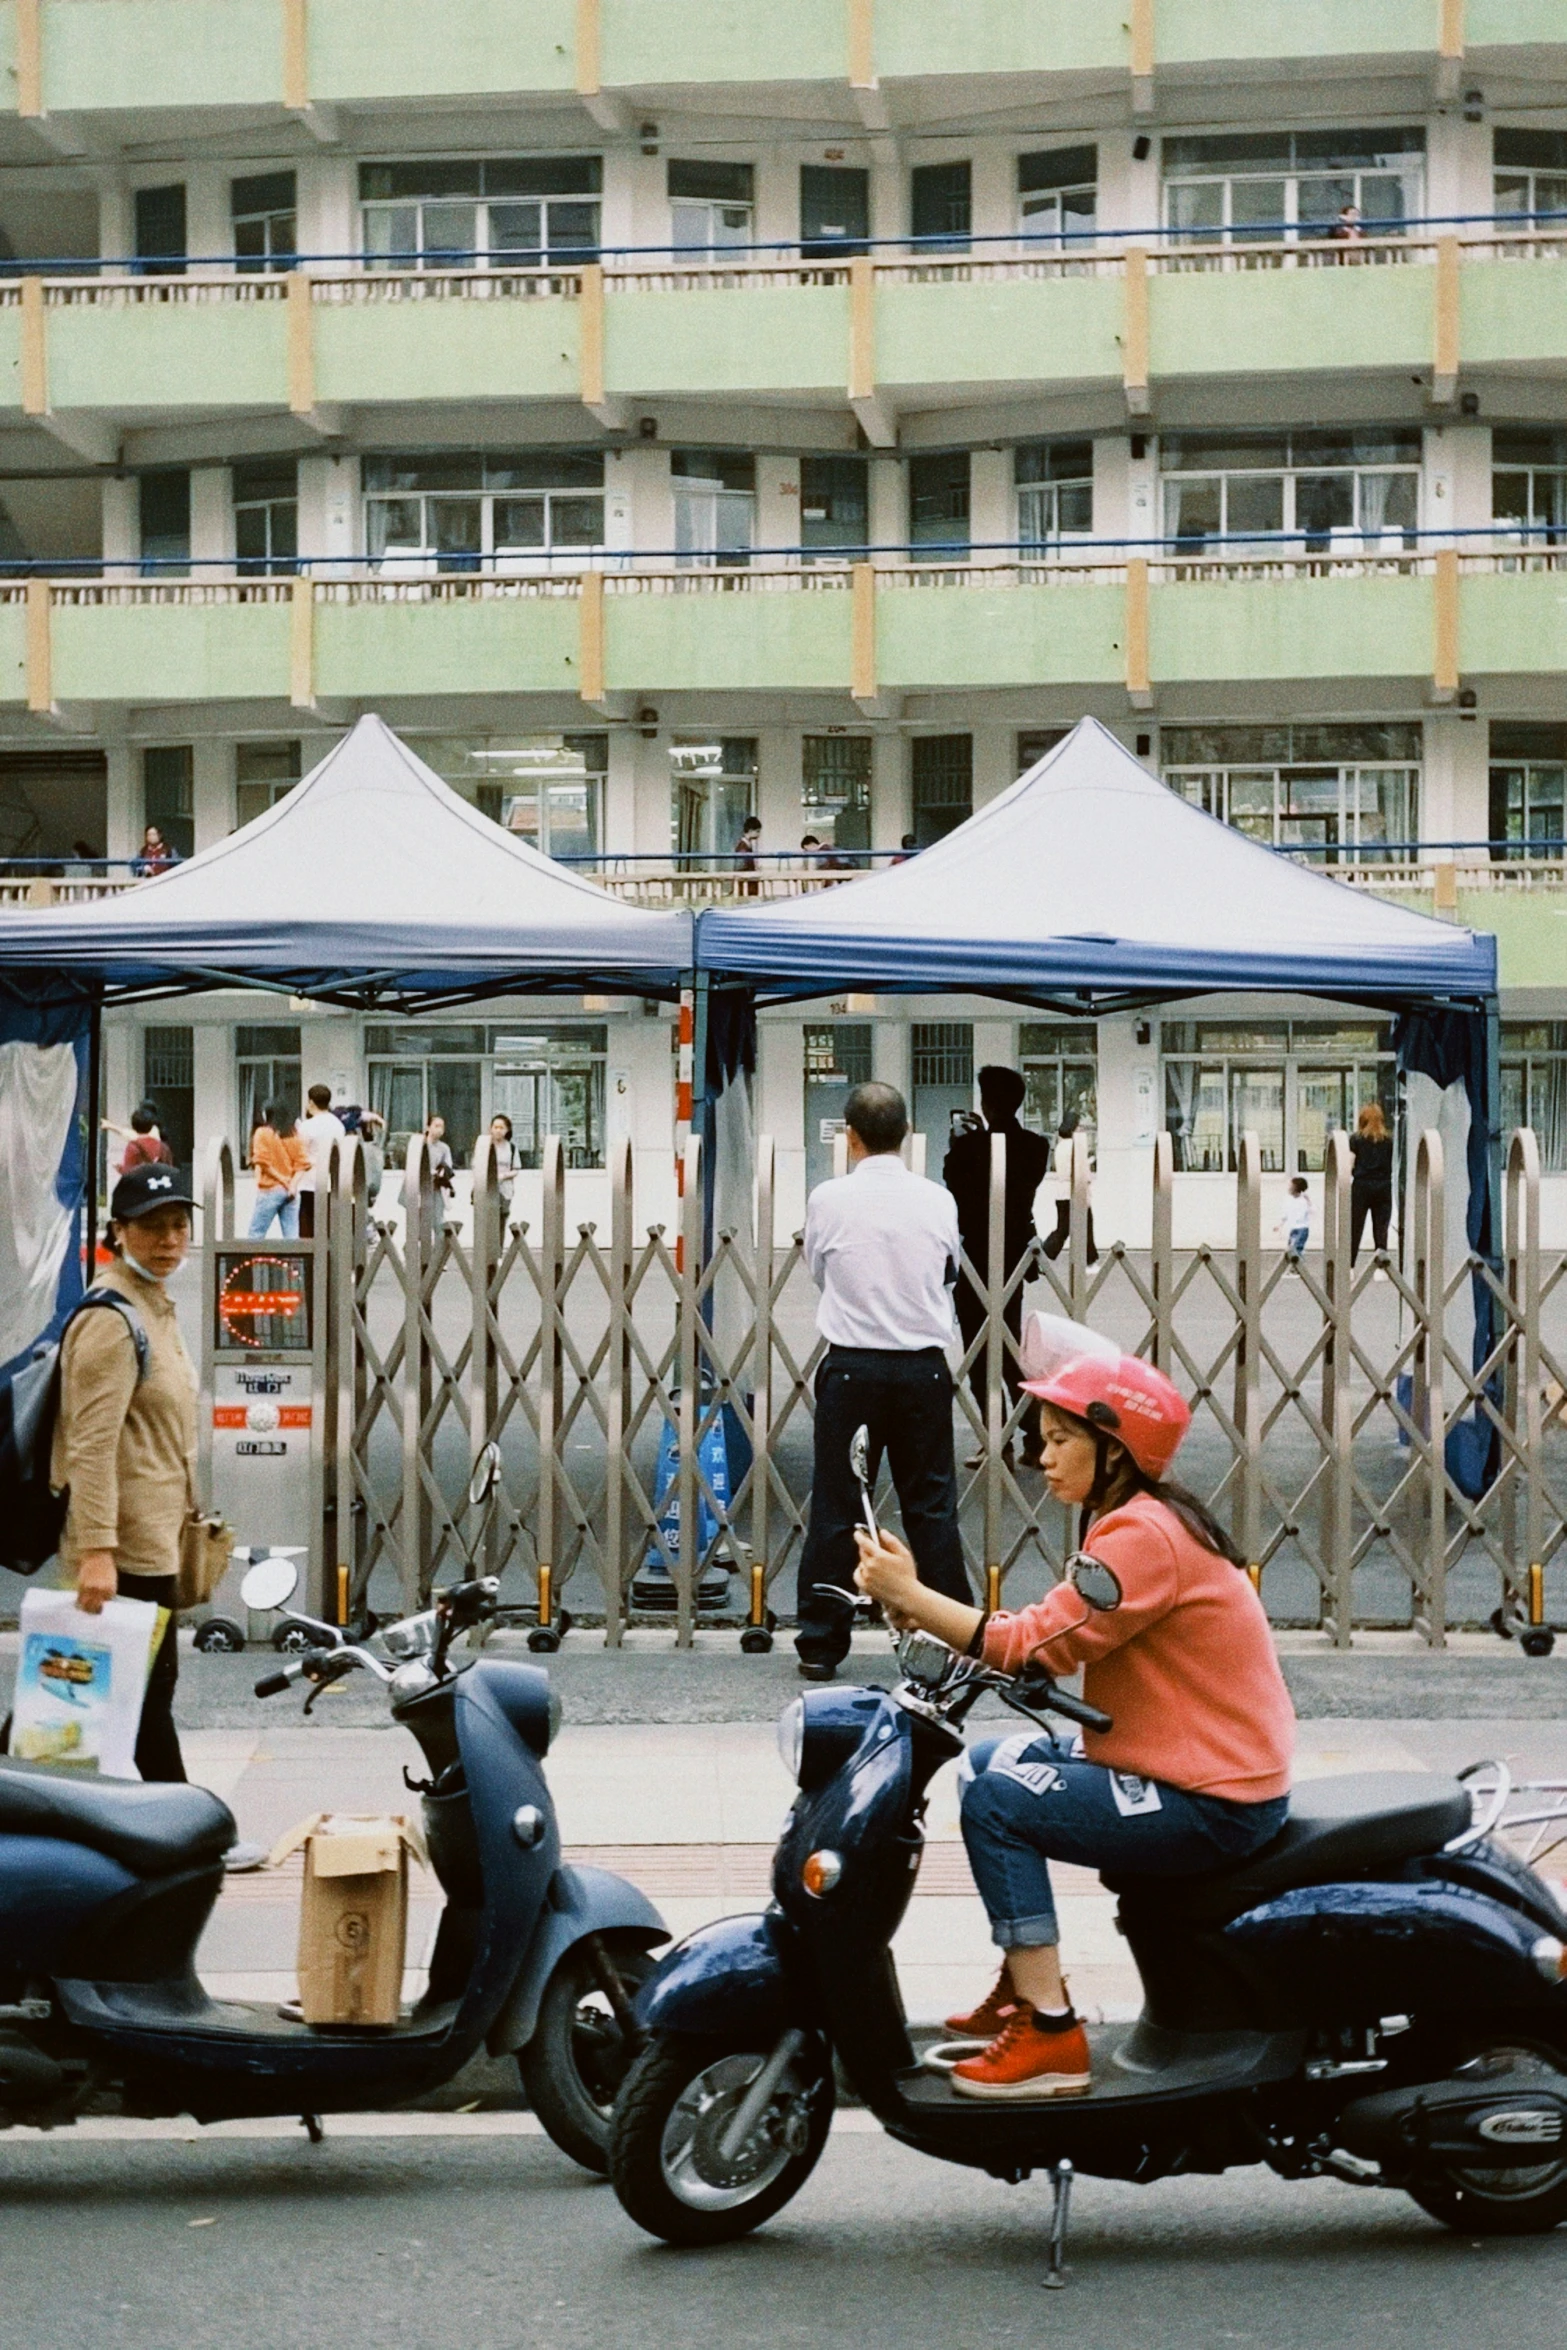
126,1448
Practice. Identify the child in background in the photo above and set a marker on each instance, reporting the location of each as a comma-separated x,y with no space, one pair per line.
1294,1225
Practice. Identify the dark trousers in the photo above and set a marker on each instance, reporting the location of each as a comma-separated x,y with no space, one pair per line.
158,1753
905,1401
1375,1201
970,1303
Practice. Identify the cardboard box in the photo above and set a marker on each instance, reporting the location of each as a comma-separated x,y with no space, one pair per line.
353,1919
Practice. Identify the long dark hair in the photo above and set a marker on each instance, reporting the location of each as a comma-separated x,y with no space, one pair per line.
1118,1480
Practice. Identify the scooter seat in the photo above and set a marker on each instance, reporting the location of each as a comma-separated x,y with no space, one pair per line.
1336,1828
152,1830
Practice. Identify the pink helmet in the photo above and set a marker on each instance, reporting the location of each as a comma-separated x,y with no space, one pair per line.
1117,1394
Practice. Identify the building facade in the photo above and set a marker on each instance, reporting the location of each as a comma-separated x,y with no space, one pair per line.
664,417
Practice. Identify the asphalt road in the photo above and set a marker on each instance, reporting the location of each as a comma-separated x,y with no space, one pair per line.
490,2242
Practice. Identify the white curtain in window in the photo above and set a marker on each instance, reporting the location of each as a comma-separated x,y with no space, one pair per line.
37,1104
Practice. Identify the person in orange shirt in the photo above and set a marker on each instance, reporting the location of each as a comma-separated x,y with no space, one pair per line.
1158,1611
279,1159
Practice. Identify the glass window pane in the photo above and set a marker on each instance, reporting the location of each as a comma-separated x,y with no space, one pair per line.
393,523
573,228
1257,208
1193,509
1321,1105
519,522
576,522
1324,502
1196,210
1256,503
456,525
515,230
1257,1097
450,231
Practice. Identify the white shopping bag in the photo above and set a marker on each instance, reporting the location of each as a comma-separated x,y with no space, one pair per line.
80,1681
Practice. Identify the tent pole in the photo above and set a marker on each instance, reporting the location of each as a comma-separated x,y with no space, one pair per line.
90,1154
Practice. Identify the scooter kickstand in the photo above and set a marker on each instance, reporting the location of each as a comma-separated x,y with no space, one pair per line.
1061,2183
310,2123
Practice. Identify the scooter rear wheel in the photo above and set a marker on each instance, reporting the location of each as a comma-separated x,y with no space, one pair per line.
667,2158
1516,2200
578,2056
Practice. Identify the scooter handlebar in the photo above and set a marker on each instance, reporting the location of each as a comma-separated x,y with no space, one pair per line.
1088,1716
274,1684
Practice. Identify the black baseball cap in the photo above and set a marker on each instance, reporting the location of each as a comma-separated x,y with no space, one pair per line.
143,1189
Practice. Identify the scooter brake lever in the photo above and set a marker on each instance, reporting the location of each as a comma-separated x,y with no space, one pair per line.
853,1599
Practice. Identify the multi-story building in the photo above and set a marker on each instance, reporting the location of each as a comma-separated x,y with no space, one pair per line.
664,414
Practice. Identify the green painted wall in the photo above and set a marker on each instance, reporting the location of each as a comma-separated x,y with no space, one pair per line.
13,652
437,48
1512,624
1266,322
743,339
654,42
1192,30
1530,928
170,652
161,355
447,350
973,636
1008,330
710,642
161,53
497,645
1511,312
1291,628
1497,24
998,36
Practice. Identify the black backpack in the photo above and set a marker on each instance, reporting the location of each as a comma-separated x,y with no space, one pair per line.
32,1516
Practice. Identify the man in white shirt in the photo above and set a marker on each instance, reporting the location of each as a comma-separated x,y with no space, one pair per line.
318,1129
882,1247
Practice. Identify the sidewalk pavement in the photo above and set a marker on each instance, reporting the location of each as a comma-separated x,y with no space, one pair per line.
690,1812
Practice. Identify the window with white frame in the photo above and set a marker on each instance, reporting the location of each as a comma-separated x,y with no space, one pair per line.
266,514
1344,793
1530,176
491,214
1534,1086
1281,186
1529,481
547,789
1360,485
1060,1065
1058,195
712,790
508,510
1292,1083
715,505
266,226
711,205
1055,492
264,773
1528,788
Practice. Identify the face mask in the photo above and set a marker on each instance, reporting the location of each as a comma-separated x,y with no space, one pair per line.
143,1271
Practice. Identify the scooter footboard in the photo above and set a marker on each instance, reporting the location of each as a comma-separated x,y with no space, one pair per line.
736,1979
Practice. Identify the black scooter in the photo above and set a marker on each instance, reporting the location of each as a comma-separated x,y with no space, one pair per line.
1377,1996
106,1885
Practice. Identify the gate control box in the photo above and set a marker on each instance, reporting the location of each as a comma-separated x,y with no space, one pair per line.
264,1393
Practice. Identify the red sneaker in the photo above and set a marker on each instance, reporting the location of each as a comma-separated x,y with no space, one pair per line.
1024,2061
986,2020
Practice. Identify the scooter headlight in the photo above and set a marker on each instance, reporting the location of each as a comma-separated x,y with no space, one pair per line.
791,1737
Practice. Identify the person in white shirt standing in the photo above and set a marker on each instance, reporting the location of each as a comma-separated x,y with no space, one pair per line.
882,1247
318,1129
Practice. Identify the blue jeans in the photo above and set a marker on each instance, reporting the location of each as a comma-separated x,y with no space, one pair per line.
281,1204
1029,1798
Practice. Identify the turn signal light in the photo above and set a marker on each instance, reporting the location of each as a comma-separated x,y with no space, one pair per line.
821,1872
1547,1953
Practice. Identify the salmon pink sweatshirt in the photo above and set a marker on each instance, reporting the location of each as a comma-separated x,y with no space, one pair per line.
1185,1666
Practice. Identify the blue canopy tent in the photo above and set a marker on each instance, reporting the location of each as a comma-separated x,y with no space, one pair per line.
372,884
1090,887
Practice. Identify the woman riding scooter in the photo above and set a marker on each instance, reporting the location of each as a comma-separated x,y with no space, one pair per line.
1176,1648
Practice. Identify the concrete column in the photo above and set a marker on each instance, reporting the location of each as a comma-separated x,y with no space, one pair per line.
776,219
891,1060
620,792
211,520
654,832
780,1112
889,192
121,1072
617,204
995,1044
123,824
121,529
215,1107
995,750
889,516
992,505
327,190
777,794
1142,487
1124,1149
890,818
1458,168
993,182
652,497
618,477
1112,487
1122,183
1140,188
777,508
648,208
329,508
208,234
212,790
1468,781
116,234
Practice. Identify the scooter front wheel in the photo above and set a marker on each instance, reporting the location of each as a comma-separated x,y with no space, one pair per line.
673,2157
578,2055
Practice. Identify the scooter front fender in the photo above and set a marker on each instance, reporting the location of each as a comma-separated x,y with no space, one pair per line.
729,1980
581,1901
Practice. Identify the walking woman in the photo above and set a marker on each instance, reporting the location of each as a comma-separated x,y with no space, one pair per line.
1371,1184
126,1445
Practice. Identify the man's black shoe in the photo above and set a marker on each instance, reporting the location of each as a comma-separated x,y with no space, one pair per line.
817,1668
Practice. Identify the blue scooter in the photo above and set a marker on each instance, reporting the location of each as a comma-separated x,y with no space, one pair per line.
1379,1996
105,1887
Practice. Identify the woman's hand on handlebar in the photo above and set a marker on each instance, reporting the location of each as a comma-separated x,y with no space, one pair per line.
887,1573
